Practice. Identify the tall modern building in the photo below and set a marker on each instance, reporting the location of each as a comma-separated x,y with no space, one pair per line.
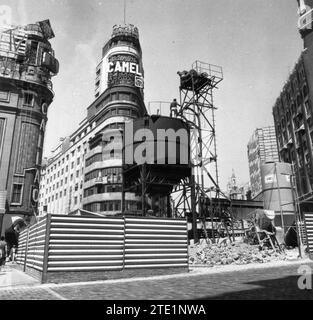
262,148
85,171
293,113
27,64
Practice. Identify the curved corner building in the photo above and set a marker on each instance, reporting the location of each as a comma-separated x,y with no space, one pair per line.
119,98
27,64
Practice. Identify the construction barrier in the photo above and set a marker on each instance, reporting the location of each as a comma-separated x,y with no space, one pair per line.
308,220
32,246
61,243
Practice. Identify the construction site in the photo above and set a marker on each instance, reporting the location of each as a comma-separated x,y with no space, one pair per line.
116,196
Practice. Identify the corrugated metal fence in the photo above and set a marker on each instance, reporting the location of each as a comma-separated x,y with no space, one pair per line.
308,219
32,241
75,243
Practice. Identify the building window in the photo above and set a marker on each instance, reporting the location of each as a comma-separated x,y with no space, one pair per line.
17,193
5,96
28,99
75,200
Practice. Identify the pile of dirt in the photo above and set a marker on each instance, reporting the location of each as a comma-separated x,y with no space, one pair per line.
234,253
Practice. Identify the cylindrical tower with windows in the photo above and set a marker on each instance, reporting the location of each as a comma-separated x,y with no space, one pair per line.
119,98
27,64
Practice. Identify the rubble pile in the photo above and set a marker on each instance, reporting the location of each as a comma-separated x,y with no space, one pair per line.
232,253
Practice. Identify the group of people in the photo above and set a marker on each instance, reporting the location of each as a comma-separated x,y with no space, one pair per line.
6,252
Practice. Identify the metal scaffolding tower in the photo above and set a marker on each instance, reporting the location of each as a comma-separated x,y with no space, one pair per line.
193,196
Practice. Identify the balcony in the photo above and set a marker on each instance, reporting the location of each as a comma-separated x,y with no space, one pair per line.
109,196
114,162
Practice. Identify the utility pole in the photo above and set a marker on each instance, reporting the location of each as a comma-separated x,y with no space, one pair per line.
279,198
297,209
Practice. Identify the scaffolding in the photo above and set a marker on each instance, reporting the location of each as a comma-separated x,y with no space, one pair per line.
198,197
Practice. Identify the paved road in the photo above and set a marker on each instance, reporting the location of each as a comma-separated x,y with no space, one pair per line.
269,283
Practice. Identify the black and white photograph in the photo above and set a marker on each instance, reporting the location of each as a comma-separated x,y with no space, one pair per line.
156,154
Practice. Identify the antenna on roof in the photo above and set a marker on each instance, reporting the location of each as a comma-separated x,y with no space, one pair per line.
124,11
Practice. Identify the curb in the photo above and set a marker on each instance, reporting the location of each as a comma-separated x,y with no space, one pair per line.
203,269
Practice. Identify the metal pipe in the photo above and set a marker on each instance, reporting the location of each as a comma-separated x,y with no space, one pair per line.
297,213
279,199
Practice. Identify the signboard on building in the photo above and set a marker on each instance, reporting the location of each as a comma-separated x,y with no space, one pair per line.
124,69
46,29
254,165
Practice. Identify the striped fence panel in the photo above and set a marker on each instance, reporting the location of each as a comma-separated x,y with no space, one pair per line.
20,256
308,219
36,245
155,243
61,243
85,243
31,246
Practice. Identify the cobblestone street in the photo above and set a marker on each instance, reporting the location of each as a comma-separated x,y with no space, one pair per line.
263,283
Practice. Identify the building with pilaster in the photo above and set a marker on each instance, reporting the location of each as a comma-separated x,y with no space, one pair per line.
293,110
27,64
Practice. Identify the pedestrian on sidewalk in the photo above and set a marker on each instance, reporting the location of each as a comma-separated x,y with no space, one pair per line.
13,254
3,252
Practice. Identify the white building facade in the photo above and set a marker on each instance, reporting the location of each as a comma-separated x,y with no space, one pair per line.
80,175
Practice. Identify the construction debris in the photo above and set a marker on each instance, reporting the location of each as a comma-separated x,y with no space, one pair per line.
235,254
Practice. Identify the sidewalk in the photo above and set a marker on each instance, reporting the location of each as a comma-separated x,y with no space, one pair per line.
16,279
10,277
267,281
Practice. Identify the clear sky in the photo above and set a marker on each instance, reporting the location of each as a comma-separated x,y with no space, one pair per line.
255,41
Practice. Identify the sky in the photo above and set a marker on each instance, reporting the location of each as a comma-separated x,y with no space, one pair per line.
255,41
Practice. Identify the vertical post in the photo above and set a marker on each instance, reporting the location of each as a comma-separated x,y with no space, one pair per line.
193,208
168,207
123,171
232,229
279,198
46,249
143,189
297,209
26,248
1,221
124,243
243,229
187,243
123,196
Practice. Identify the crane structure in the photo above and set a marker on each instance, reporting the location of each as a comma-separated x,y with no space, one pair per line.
197,197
